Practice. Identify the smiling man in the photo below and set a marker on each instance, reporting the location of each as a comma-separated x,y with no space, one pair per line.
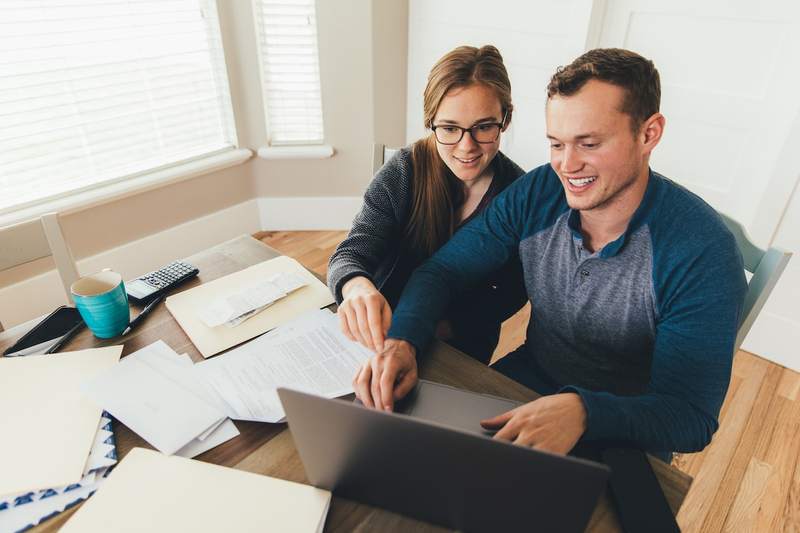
635,283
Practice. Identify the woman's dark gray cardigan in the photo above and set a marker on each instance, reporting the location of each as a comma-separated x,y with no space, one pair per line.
375,248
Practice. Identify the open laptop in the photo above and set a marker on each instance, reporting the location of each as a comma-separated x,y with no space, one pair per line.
433,461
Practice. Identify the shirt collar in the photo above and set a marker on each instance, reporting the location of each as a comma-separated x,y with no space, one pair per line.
639,217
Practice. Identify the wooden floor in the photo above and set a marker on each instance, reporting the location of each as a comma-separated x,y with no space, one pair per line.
748,479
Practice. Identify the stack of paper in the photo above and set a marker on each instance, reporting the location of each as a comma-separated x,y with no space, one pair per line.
154,392
25,510
151,492
240,304
309,354
48,426
212,340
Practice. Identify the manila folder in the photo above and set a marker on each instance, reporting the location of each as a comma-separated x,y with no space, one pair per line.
211,341
152,492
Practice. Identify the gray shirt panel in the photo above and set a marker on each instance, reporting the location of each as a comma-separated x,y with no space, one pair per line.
593,319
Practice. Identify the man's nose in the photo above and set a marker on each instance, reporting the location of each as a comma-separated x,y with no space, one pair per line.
570,160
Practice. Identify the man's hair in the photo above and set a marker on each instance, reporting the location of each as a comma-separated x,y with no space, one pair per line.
636,75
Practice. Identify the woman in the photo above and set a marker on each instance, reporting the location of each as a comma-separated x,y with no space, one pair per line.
422,196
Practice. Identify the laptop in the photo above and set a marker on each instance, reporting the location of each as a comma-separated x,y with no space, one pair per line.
431,460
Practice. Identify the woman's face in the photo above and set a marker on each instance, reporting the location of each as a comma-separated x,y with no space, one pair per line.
467,107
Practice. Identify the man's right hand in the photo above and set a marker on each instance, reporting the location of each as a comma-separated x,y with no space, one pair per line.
388,376
365,315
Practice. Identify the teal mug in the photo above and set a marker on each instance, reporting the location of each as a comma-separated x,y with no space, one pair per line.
103,303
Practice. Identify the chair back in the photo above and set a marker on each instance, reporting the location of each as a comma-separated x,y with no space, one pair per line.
766,266
34,239
380,155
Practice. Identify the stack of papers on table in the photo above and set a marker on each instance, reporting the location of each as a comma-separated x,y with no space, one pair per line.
25,510
151,492
57,446
48,426
217,300
309,354
155,392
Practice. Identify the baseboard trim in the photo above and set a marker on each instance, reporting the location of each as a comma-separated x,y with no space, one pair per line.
308,212
130,259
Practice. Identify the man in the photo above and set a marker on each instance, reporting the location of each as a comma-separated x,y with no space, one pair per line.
635,283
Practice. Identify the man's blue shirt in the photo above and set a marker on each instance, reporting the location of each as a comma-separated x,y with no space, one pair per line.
643,329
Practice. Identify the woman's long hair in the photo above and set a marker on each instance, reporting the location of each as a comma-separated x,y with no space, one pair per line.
437,192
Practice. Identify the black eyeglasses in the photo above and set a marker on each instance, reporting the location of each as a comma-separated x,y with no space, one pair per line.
483,133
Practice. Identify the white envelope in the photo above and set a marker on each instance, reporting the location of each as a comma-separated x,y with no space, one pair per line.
222,433
149,403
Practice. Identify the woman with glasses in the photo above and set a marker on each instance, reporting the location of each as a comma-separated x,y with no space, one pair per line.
424,194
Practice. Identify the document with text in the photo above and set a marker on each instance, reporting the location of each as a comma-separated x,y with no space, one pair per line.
309,354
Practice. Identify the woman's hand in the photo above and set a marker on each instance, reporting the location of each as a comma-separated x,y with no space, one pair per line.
365,315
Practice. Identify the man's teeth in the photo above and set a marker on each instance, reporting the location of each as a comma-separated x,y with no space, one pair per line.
580,182
466,160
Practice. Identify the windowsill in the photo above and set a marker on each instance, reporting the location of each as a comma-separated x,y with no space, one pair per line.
79,201
316,151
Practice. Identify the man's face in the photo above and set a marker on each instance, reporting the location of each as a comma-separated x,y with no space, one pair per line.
592,147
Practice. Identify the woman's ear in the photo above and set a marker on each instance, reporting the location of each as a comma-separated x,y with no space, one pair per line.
506,121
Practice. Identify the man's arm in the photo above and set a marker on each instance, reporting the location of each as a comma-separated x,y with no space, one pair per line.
480,247
692,360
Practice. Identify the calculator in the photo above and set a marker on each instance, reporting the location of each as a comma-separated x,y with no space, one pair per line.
144,288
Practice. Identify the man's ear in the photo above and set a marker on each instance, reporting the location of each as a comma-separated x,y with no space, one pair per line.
651,131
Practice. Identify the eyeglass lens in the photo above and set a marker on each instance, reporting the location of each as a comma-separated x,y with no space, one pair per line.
481,133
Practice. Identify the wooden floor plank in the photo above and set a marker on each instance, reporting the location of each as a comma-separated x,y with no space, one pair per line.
758,429
744,512
789,387
782,456
789,520
720,451
747,479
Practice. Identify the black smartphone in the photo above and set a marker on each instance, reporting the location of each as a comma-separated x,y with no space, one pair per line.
63,321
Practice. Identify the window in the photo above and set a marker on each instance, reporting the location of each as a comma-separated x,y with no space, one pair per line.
93,92
289,58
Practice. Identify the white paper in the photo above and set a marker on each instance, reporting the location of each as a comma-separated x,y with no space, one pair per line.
308,354
237,307
165,415
178,369
223,433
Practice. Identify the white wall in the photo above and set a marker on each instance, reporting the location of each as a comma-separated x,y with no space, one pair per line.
533,37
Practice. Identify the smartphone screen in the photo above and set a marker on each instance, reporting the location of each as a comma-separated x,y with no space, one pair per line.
54,326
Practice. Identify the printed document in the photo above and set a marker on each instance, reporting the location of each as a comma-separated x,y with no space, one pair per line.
309,354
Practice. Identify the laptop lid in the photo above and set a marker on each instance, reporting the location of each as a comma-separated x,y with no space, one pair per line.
446,476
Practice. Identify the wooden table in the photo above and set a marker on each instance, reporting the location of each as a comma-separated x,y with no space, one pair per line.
268,448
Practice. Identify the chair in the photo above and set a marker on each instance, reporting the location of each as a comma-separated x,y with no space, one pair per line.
380,155
34,239
766,267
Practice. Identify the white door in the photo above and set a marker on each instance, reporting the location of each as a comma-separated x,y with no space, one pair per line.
730,84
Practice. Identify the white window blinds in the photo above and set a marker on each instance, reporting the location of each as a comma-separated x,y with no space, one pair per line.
287,35
94,91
